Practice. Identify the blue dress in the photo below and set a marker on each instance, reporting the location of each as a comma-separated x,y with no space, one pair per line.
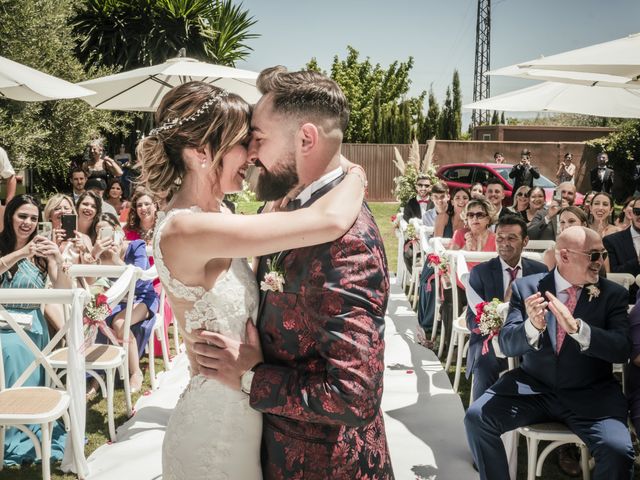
16,356
136,254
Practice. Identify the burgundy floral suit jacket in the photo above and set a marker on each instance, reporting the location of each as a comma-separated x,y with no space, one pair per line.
322,337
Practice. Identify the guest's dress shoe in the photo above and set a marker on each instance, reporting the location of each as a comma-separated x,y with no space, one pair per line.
569,460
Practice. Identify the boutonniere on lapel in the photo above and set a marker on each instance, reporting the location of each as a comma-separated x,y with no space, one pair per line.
593,292
274,278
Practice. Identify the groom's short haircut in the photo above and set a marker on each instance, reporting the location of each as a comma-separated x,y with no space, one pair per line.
305,94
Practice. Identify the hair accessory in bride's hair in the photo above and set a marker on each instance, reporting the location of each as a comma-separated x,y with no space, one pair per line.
176,122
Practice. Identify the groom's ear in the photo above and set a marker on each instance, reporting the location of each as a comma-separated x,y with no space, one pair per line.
309,137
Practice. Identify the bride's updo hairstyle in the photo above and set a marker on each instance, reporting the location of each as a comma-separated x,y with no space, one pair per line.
191,115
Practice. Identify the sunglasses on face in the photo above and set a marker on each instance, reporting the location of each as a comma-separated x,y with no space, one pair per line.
425,185
636,211
521,194
593,256
478,215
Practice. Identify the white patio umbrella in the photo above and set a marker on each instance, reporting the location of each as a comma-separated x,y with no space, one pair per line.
142,89
19,82
577,78
619,57
567,98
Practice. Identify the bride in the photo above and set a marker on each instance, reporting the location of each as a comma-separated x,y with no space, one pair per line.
198,152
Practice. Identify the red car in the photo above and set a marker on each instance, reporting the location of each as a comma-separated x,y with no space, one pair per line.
458,175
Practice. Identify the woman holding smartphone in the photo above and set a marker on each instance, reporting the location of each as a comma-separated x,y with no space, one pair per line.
115,250
27,261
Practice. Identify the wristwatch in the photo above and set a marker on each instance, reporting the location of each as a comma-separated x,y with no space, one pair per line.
247,379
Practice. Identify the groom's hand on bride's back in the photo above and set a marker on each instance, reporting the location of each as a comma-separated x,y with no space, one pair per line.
225,359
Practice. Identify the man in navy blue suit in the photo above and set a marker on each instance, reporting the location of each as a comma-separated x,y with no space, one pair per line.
569,326
491,280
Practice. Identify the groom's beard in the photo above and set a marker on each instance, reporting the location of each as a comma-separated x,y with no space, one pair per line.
274,185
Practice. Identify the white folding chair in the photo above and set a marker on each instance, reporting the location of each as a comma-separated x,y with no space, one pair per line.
420,253
625,280
21,406
438,246
158,332
555,433
108,358
459,332
540,245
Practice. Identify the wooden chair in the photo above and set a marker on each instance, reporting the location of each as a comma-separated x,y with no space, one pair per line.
21,406
108,358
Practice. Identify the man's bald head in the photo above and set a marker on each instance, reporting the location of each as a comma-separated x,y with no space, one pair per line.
574,247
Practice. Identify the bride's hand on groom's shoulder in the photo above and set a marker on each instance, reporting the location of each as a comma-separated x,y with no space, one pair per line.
226,359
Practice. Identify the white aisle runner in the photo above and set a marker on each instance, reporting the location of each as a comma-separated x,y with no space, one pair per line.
423,416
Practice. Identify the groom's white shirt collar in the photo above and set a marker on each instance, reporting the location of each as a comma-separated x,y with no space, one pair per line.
305,195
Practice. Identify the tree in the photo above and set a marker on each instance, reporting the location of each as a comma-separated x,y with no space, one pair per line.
446,123
45,135
502,120
360,80
134,33
456,107
495,120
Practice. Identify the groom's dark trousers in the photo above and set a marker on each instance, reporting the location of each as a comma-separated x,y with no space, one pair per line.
573,386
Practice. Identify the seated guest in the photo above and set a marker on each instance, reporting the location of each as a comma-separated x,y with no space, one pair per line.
568,344
478,215
98,186
418,205
602,206
536,197
623,220
89,207
544,225
567,217
624,249
491,280
477,190
447,224
120,252
440,199
27,261
114,195
633,389
586,201
142,217
78,181
520,200
495,195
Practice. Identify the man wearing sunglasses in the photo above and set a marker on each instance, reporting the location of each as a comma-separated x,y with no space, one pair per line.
418,205
569,326
624,249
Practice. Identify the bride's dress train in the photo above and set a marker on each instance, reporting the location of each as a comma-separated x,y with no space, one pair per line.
213,433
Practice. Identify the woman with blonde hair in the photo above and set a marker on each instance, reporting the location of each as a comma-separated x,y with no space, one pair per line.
198,151
520,200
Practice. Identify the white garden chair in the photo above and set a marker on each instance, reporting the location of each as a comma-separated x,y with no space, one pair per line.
540,245
438,246
21,406
107,358
458,270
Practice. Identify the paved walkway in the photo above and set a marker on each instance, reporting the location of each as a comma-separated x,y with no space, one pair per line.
422,414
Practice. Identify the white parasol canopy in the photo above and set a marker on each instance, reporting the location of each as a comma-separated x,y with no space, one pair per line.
142,89
567,98
619,57
19,82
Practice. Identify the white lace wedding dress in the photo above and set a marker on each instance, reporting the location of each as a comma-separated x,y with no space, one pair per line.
213,433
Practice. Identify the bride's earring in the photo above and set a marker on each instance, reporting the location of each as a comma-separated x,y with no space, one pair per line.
203,164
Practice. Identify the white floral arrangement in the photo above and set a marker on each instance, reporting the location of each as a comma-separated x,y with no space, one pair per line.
593,292
490,317
273,280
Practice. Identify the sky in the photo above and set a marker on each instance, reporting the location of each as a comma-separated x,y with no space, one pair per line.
438,34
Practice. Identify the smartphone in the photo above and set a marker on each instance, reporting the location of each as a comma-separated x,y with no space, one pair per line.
69,225
557,196
45,229
105,233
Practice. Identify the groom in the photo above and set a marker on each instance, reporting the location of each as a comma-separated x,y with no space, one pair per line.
320,381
